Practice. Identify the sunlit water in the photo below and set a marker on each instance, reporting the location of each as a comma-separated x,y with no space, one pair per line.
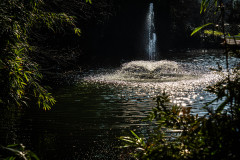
106,103
184,81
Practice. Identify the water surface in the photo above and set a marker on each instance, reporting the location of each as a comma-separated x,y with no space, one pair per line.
106,103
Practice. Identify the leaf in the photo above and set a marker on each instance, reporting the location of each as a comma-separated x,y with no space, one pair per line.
12,145
211,32
10,158
199,28
222,106
127,139
135,135
140,140
204,6
77,31
208,103
26,77
33,155
216,2
89,1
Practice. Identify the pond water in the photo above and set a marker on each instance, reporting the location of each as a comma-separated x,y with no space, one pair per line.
106,103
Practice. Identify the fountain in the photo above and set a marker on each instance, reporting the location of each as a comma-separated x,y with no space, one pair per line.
152,38
184,81
151,72
176,76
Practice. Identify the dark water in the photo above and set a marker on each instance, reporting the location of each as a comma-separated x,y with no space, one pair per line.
85,124
94,111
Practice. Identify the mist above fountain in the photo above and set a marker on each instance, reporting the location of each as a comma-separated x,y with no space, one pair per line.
152,37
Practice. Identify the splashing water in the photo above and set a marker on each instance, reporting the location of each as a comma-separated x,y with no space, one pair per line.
152,38
152,71
184,82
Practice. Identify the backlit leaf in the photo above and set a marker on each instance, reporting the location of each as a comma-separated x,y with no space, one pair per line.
199,28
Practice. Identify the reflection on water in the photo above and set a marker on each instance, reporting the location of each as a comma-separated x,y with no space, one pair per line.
184,81
106,104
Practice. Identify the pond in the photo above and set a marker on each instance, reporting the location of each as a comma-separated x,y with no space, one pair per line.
106,103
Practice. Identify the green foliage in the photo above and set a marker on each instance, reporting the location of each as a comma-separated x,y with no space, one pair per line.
89,1
211,32
77,31
217,10
19,75
218,7
205,4
17,151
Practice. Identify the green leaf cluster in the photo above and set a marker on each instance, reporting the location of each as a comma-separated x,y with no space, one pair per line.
19,74
206,3
211,32
89,1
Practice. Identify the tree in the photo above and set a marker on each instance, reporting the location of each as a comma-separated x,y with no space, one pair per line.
19,75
